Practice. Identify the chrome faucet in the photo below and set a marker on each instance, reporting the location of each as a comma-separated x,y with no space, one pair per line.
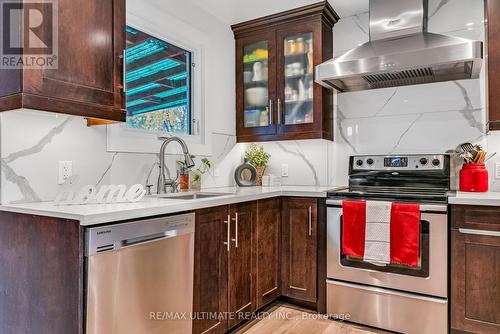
163,182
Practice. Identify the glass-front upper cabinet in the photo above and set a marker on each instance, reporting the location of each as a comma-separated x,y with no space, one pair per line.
276,96
256,76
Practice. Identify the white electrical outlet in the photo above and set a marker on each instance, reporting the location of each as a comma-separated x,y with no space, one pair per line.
284,170
65,171
497,171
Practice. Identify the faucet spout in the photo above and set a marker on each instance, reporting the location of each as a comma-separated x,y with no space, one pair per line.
163,182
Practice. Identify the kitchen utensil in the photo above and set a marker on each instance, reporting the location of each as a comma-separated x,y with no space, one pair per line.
467,156
491,156
466,147
256,96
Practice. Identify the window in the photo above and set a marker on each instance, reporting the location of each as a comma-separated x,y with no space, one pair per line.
158,78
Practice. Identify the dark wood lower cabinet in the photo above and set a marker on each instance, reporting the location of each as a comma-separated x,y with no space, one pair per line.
268,251
241,278
210,271
241,261
299,249
475,269
41,275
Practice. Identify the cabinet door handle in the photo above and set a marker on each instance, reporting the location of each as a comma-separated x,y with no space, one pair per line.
479,232
228,222
270,113
310,221
124,70
279,111
236,231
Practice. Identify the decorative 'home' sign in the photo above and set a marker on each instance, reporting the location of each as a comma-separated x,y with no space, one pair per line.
106,194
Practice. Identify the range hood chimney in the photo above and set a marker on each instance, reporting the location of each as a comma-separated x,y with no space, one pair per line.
401,52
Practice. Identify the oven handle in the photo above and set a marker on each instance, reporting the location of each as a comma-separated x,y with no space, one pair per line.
423,208
479,232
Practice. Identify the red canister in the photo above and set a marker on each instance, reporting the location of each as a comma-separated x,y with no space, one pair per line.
474,178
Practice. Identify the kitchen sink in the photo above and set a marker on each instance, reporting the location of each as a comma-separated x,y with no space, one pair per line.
187,196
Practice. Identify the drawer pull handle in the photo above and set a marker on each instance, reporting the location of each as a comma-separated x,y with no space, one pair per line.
479,232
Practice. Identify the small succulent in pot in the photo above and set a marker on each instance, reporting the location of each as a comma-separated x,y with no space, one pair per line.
259,158
195,175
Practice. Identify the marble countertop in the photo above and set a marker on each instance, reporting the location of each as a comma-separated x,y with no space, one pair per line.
489,198
94,214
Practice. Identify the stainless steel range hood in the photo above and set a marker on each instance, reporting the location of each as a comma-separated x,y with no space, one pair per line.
401,52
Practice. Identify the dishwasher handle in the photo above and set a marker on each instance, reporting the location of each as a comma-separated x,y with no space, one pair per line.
147,238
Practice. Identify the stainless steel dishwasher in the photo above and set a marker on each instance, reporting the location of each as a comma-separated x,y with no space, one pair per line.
140,276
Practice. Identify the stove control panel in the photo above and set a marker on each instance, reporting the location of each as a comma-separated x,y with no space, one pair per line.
399,162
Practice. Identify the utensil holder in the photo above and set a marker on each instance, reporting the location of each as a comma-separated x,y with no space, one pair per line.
474,178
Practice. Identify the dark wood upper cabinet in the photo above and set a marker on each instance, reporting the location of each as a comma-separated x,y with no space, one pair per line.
88,80
268,251
492,13
276,97
299,249
475,270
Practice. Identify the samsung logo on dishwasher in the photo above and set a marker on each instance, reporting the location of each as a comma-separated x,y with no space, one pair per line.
103,232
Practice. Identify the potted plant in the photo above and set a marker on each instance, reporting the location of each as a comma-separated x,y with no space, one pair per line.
259,158
195,175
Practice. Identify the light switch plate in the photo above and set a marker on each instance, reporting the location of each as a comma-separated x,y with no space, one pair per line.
65,171
284,170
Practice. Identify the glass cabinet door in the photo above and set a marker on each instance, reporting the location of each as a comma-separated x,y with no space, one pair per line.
256,85
298,87
256,100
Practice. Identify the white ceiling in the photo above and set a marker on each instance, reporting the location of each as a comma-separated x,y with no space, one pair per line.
235,11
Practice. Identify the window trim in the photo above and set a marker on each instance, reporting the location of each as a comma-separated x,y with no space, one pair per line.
121,138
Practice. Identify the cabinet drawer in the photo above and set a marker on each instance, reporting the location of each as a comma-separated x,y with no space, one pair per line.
475,217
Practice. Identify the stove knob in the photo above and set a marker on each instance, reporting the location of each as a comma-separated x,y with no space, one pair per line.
436,162
359,163
370,161
424,161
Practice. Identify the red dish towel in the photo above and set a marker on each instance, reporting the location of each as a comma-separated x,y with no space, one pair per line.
405,234
405,231
353,228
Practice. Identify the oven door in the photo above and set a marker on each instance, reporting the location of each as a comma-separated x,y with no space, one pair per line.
431,276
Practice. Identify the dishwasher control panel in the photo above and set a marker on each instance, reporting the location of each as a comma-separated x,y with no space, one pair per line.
113,237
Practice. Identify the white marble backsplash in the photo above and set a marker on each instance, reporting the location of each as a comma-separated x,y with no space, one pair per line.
412,119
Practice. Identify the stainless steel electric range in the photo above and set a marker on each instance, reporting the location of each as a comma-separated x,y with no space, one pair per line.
394,297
